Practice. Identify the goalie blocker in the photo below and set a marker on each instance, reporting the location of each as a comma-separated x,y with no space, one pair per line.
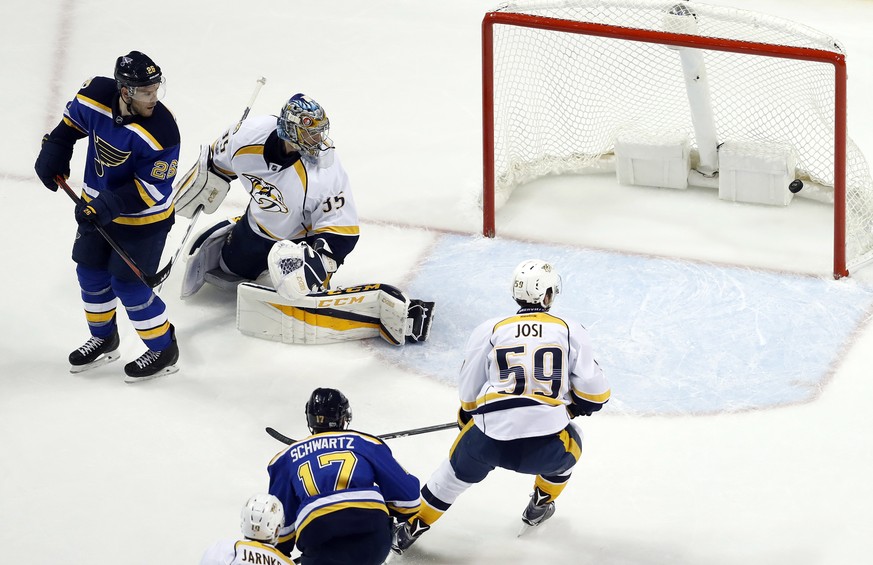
332,316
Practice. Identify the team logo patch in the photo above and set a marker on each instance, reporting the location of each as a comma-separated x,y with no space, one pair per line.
107,155
266,196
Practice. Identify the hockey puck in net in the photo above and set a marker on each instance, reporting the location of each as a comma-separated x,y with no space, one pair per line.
795,186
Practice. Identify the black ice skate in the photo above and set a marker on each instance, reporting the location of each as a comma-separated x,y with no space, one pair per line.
537,511
405,534
152,364
94,353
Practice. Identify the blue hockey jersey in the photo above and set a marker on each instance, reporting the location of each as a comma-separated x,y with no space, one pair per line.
336,484
135,157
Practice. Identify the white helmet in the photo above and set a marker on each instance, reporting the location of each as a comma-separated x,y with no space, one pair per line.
532,281
262,518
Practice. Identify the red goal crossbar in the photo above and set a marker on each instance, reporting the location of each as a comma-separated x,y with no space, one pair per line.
838,61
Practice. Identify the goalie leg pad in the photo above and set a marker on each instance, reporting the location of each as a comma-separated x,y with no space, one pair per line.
201,187
359,312
204,256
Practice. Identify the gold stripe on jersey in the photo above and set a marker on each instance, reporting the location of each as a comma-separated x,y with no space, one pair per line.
143,220
280,557
268,233
145,135
492,397
464,430
143,193
531,317
337,507
249,150
94,105
323,320
74,125
340,230
598,398
137,220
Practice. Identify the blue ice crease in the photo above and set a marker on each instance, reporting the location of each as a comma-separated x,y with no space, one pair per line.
673,337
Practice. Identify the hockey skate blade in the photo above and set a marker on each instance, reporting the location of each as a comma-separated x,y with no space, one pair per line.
162,373
108,357
525,527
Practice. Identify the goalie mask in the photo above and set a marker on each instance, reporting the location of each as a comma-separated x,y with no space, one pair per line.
327,410
535,283
304,124
262,517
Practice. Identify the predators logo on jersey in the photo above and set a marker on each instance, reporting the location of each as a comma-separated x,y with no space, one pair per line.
107,155
266,196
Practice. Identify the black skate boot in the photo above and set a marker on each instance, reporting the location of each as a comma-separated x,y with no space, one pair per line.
152,364
535,514
405,534
94,353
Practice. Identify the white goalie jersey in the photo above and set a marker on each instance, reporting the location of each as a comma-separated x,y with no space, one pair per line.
288,201
519,373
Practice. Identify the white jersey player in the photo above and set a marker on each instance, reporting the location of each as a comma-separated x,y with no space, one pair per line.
299,192
523,378
261,519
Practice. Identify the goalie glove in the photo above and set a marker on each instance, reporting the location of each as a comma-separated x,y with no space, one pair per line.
201,187
297,270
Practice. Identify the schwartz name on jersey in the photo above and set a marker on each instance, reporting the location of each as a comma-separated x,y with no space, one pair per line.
292,197
134,157
338,484
520,373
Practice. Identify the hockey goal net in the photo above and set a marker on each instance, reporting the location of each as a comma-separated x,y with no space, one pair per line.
562,80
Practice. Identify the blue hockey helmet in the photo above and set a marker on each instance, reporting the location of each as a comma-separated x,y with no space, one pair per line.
136,69
304,124
327,410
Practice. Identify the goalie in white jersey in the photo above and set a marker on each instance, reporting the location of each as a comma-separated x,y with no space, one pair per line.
523,378
299,192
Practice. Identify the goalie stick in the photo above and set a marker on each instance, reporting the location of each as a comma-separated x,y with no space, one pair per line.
260,82
413,432
150,280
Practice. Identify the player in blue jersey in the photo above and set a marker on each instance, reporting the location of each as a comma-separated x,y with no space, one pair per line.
523,378
341,489
133,152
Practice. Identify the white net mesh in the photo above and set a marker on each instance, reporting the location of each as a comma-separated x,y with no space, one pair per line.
561,99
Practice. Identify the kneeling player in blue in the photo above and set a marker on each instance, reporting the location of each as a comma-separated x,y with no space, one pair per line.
133,152
343,489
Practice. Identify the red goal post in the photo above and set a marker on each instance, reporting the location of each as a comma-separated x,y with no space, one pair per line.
570,60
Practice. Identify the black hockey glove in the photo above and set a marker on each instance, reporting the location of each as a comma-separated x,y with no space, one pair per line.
53,160
99,211
463,418
576,410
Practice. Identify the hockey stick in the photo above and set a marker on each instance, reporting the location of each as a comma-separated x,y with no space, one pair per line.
413,432
260,82
150,280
